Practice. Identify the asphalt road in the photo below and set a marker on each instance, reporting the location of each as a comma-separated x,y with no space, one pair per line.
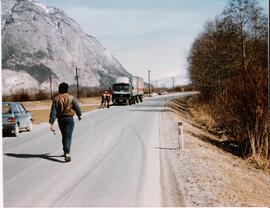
115,160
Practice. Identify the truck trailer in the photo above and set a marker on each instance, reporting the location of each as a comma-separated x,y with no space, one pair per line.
127,90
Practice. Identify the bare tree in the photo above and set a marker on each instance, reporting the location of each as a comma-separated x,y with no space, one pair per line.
228,64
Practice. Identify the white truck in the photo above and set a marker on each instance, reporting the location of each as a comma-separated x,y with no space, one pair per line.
127,90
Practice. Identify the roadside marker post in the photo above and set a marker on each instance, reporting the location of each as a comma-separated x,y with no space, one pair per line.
180,135
165,105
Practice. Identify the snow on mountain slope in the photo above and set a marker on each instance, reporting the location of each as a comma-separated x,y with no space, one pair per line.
168,81
41,40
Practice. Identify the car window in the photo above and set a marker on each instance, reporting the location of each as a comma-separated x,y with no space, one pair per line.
16,109
21,109
6,109
121,87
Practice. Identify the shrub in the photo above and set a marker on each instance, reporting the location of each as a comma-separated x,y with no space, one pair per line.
228,65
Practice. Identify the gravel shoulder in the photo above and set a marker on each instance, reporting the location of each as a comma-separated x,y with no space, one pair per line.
204,174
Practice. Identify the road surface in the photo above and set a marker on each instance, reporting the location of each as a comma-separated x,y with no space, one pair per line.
115,160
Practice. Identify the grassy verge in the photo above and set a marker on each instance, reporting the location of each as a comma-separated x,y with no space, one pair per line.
199,115
41,116
189,109
41,109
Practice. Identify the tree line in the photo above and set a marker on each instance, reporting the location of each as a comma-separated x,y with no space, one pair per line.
228,64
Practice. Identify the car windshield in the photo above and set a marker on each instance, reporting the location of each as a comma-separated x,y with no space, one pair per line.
121,87
6,109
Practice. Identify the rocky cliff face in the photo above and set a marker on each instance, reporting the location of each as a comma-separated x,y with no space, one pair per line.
38,40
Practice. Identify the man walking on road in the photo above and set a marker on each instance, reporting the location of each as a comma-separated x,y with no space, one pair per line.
64,107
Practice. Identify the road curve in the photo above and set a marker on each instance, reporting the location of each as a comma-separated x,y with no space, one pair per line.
115,160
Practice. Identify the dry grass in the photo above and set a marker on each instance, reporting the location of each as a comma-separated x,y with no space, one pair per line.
90,100
47,103
41,116
199,113
36,104
41,109
201,116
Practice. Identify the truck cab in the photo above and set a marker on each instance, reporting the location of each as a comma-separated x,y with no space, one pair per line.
121,91
127,90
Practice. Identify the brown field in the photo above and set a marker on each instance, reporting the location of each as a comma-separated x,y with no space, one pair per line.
41,109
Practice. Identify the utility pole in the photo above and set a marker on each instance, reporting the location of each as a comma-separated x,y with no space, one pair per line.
173,82
51,87
149,82
77,81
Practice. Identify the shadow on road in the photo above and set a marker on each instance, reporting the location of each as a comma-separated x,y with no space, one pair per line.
42,156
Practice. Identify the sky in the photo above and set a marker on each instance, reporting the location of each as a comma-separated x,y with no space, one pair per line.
144,35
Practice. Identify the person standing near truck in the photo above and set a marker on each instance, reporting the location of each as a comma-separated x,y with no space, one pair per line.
108,99
102,100
64,107
105,100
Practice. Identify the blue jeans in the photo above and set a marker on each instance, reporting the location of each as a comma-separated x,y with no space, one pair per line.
66,125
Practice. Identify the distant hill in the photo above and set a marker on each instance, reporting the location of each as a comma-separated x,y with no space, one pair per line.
167,82
38,40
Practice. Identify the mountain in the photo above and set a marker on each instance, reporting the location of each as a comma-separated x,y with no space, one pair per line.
39,41
168,81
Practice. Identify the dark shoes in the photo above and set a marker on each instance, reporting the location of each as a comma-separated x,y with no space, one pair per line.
67,158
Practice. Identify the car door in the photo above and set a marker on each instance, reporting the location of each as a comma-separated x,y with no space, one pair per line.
28,116
17,114
23,116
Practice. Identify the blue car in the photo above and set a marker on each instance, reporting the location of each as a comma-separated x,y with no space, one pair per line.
15,118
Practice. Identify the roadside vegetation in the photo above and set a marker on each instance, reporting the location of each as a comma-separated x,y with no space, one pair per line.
24,95
39,103
42,115
228,64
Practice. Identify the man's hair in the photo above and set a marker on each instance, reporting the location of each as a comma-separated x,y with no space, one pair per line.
63,88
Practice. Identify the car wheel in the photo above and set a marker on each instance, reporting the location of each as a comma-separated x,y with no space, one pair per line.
16,130
30,127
